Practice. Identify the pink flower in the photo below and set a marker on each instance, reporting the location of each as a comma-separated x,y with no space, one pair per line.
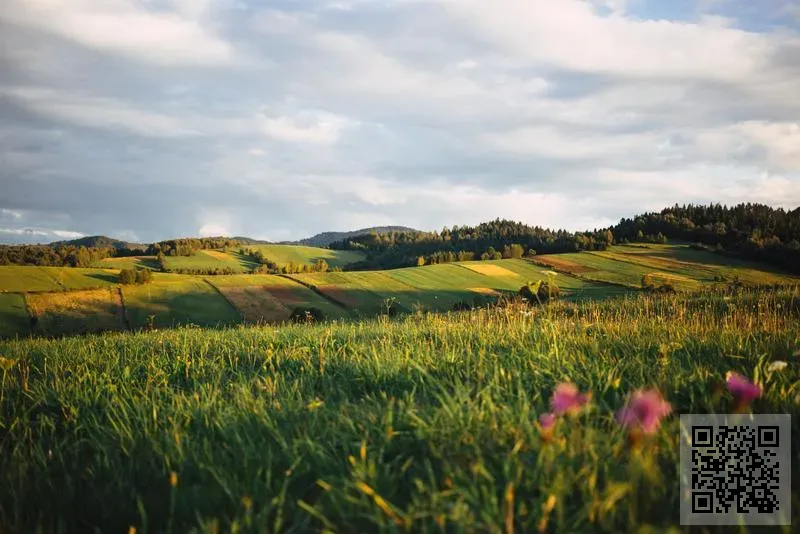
741,388
567,399
644,411
547,420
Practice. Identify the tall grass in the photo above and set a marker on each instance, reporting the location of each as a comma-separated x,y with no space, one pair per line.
424,423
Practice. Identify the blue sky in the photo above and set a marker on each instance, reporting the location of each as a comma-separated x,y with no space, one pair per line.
151,119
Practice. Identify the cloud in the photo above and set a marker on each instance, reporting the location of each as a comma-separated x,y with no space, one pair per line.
282,119
306,127
125,27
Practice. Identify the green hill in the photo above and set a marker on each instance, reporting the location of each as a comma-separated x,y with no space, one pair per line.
99,241
326,238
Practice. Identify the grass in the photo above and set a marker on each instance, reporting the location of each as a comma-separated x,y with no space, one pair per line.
285,254
175,300
14,319
270,298
76,312
131,262
21,279
210,259
426,423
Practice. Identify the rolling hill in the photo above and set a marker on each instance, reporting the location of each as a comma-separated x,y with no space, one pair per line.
98,241
326,238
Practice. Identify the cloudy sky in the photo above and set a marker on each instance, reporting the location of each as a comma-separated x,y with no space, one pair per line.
151,119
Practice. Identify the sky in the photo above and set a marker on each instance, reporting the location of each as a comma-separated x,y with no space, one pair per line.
153,119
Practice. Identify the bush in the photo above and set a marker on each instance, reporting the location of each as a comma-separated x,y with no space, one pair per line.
144,276
127,276
306,315
540,291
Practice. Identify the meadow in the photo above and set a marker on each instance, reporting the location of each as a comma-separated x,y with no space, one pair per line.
302,255
174,299
423,423
211,259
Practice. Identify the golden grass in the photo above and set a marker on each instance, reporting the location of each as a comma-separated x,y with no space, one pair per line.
484,291
490,270
224,256
77,311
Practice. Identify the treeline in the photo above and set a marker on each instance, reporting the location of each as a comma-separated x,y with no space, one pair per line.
752,231
490,240
43,255
190,246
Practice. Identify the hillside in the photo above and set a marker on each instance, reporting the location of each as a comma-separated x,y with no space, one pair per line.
98,241
326,238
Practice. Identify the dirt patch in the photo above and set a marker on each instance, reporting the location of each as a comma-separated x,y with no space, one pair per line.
485,291
256,304
286,295
564,265
342,296
490,270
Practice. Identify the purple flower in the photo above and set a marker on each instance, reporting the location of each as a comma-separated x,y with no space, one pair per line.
741,388
547,420
568,399
644,411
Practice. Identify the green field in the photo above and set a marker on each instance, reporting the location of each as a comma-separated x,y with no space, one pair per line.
679,265
21,279
427,423
132,262
76,312
211,259
174,300
14,319
300,255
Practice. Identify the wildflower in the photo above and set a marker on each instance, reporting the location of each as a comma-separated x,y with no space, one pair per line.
568,399
777,365
547,421
173,479
644,411
742,389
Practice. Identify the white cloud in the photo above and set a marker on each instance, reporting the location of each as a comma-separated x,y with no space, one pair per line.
213,230
316,127
125,27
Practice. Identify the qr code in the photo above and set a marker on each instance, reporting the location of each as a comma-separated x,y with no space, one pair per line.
735,468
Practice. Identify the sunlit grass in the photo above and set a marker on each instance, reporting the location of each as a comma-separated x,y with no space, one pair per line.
423,423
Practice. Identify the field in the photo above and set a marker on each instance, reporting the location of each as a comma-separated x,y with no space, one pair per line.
211,259
284,254
425,423
17,279
14,318
172,300
132,262
270,298
77,312
683,267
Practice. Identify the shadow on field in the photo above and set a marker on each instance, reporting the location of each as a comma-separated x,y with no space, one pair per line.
105,277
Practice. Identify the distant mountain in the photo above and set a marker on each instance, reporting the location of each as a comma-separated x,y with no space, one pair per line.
98,241
326,238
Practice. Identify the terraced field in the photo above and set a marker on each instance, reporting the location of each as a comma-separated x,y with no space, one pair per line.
271,298
285,254
175,299
365,293
211,259
14,320
25,279
76,312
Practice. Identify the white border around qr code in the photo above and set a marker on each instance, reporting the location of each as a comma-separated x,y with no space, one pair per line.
716,489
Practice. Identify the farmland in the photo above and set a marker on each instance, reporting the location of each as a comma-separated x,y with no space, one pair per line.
171,300
302,255
131,262
76,312
423,423
210,259
174,299
14,319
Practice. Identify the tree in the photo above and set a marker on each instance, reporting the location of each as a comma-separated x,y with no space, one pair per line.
127,276
420,261
320,266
